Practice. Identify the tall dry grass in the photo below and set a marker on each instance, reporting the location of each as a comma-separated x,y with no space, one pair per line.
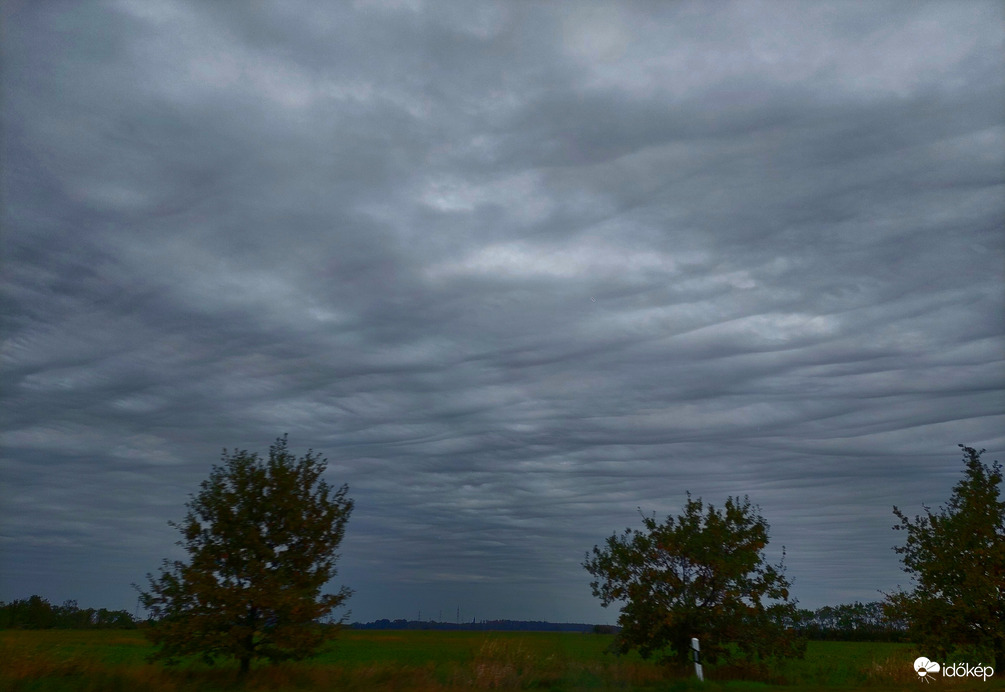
432,662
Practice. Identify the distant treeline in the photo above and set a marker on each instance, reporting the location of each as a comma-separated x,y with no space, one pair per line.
36,613
483,625
851,622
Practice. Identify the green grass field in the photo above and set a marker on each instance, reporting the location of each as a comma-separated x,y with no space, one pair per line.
432,660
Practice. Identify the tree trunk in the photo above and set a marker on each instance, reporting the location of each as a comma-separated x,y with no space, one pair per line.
249,642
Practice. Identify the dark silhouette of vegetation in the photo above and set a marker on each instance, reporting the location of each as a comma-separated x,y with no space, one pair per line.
956,558
262,539
479,626
605,629
702,574
36,613
854,622
860,622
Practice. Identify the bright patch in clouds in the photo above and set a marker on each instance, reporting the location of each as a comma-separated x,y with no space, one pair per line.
521,260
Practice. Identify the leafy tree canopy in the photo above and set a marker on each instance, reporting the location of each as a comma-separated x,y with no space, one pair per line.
851,622
37,613
956,558
261,537
701,574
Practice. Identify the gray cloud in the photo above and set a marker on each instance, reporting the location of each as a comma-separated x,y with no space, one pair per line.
516,270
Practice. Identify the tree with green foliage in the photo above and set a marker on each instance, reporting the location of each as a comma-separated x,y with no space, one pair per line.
956,558
261,538
851,622
702,574
37,613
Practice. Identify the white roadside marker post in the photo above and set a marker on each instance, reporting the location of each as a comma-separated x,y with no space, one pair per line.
696,656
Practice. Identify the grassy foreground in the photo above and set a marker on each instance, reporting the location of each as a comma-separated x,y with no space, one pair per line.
430,660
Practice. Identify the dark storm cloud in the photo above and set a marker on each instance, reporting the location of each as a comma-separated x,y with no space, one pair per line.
516,270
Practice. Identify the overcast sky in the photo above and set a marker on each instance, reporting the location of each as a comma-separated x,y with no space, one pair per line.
515,269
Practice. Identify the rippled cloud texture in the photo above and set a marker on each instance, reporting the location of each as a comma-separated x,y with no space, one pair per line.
516,269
